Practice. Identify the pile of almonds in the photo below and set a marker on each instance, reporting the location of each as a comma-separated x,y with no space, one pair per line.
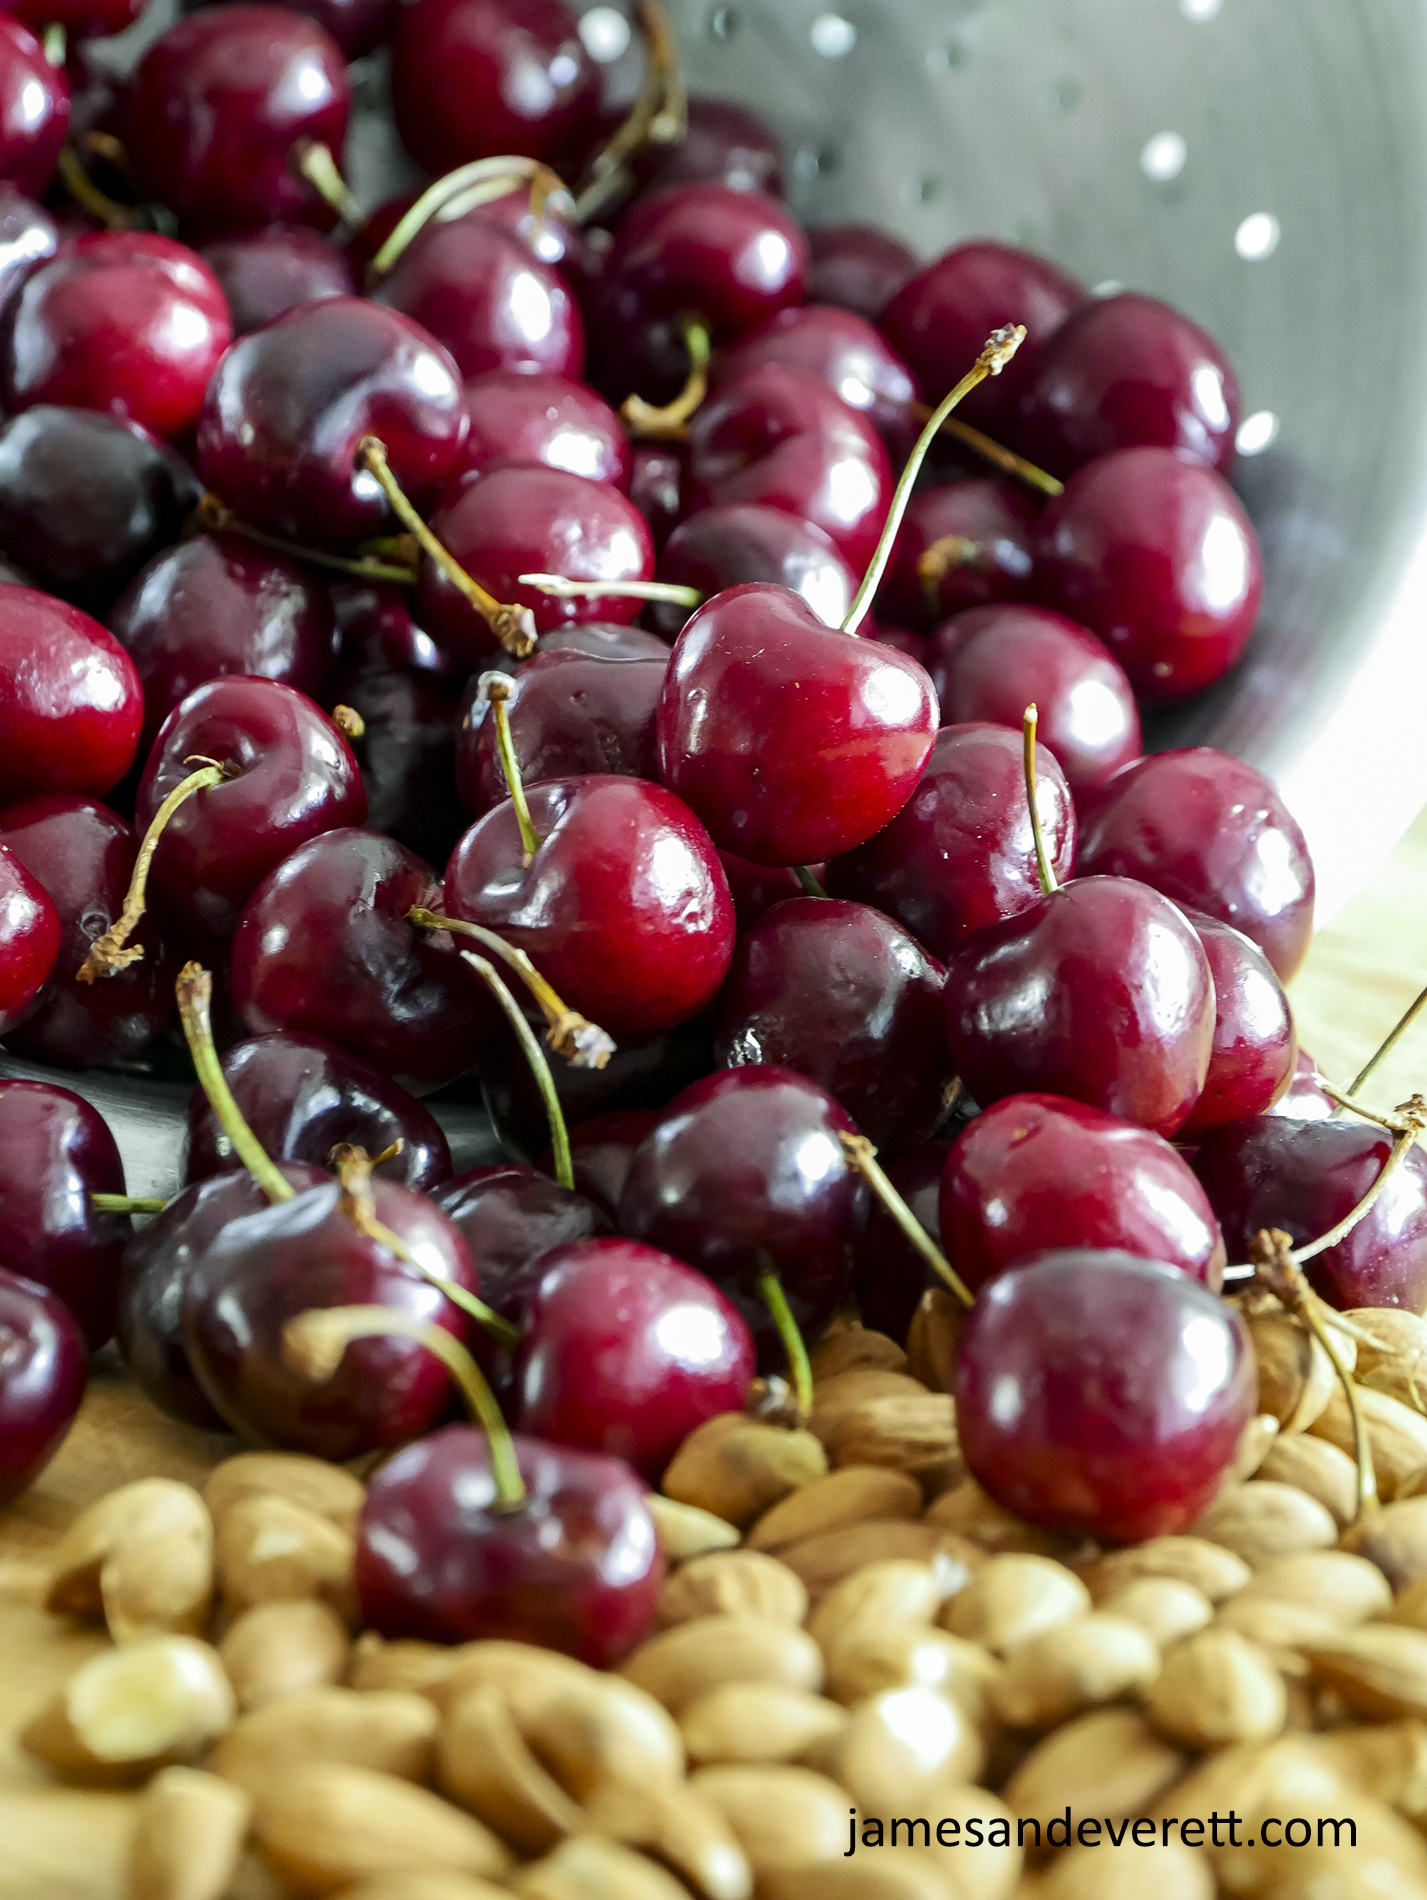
849,1622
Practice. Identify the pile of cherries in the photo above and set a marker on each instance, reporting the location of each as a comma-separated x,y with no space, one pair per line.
272,495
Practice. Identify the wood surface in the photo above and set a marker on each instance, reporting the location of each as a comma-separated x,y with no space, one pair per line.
62,1844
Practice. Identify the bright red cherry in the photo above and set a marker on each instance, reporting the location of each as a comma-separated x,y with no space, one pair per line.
70,699
1212,833
846,352
889,1274
34,109
42,1376
748,541
1152,550
264,274
857,267
1255,1045
221,107
791,740
27,236
960,544
1102,1394
538,416
30,935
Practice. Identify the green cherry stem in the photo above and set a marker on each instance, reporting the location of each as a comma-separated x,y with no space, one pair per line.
195,997
770,1289
212,515
466,189
659,115
863,1156
996,453
1385,1047
562,589
127,1204
1049,883
808,881
539,1067
669,422
316,164
495,688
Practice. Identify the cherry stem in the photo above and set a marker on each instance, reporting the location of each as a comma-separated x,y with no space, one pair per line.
770,1289
213,517
668,422
943,557
1049,883
999,348
583,1044
195,998
313,1344
495,688
317,165
659,115
1344,1100
863,1156
996,453
562,589
85,193
349,722
513,626
127,1204
539,1067
809,883
1384,1048
112,951
54,40
466,189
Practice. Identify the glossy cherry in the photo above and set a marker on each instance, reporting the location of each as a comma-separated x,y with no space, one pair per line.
34,110
858,267
791,740
1255,1045
1303,1100
289,405
1152,550
27,236
756,888
624,907
220,105
1102,1394
30,934
81,19
843,350
982,531
723,144
607,641
843,995
889,1274
267,273
657,476
42,1376
70,699
358,26
746,541
601,1150
993,662
1212,833
538,416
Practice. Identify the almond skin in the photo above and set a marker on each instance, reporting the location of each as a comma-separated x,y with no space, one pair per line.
1217,1688
734,1582
130,1710
841,1498
311,1482
683,1663
281,1648
188,1834
758,1721
385,1732
1015,1597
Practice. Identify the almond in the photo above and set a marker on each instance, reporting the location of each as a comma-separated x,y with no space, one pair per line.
189,1829
781,1816
734,1582
1264,1520
1381,1856
597,1731
1013,1598
427,1886
735,1467
913,1431
385,1731
854,1348
1410,1607
758,1721
130,1710
526,1674
847,1391
1320,1469
484,1765
891,1592
160,1581
592,1868
822,1562
967,1510
1296,1376
1379,1671
685,1531
1397,1434
680,1827
278,1649
1393,1356
311,1482
1164,1607
1110,1764
1072,1667
685,1662
934,1340
1254,1780
1337,1585
1209,1568
843,1497
1167,1870
378,1664
868,1658
1279,1629
900,1745
144,1509
1216,1688
1395,1539
989,1870
1255,1442
871,1876
270,1549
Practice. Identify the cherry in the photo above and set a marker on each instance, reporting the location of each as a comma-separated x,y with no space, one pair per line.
324,947
81,19
622,906
264,274
292,775
70,699
1255,1046
1303,1100
744,1176
42,1376
782,437
522,518
479,291
1212,833
574,1567
843,995
723,144
55,1153
627,1351
30,933
570,713
358,26
991,662
290,404
1102,1394
601,1150
939,319
34,109
889,1274
857,267
222,103
538,416
548,230
961,853
27,237
1152,550
756,888
1304,1177
962,544
89,499
843,350
510,1217
606,641
657,472
749,541
83,855
216,605
792,741
127,322
1126,371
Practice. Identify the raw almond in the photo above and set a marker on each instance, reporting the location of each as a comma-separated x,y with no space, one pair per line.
735,1467
734,1582
427,1886
781,1816
850,1390
1167,1870
1264,1778
934,1340
1382,1856
1410,1606
870,1876
143,1509
1320,1469
385,1731
685,1531
1264,1520
483,1764
1296,1376
1012,1598
989,1870
1395,1539
133,1709
1111,1764
1393,1356
758,1721
1388,1759
1072,1667
913,1432
1255,1442
680,1827
853,1348
1164,1607
526,1674
599,1730
1209,1568
843,1497
1217,1688
967,1510
160,1581
270,1549
822,1562
1397,1434
189,1829
278,1649
685,1662
377,1664
1336,1584
1279,1629
324,1826
899,1745
1379,1671
592,1868
311,1482
868,1658
890,1592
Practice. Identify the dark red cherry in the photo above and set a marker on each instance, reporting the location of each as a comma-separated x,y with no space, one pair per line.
575,1567
55,1152
570,713
939,319
1255,1045
289,405
1303,1100
523,518
70,699
724,144
42,1377
756,888
476,78
1102,1394
624,907
295,777
627,1351
510,1217
81,19
548,233
27,237
1100,991
1306,1176
743,1176
264,274
220,107
914,645
961,854
83,855
780,436
1034,1173
89,499
127,322
993,662
889,1274
601,1150
606,641
982,531
30,935
858,267
1153,551
301,1096
791,740
324,947
216,605
1212,833
843,995
358,26
34,110
846,352
657,474
1127,371
748,541
538,416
